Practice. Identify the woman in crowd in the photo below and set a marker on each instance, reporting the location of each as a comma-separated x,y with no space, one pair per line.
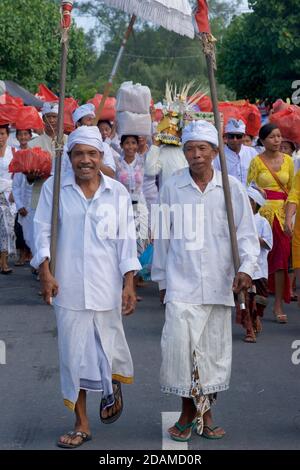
22,196
7,219
109,136
292,208
130,172
272,172
150,188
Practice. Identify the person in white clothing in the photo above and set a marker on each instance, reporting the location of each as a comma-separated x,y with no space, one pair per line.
257,297
109,136
164,160
95,264
7,207
194,268
22,196
238,156
84,116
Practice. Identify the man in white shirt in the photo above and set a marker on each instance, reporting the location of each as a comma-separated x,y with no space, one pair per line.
47,140
84,116
194,268
238,156
96,254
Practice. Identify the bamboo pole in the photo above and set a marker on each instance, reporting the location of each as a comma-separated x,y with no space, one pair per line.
66,21
210,61
115,68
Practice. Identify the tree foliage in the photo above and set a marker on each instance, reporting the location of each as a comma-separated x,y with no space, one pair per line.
260,53
30,45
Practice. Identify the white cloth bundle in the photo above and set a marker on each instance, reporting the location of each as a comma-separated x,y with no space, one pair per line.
129,123
134,98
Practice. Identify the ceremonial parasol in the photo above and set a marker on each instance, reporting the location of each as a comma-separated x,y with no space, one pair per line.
174,15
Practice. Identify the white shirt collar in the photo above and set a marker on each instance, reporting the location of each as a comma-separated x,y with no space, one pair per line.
186,179
69,180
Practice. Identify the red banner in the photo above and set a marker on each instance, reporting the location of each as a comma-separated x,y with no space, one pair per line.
45,94
201,17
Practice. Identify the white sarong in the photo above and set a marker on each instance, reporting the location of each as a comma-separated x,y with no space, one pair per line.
92,351
196,332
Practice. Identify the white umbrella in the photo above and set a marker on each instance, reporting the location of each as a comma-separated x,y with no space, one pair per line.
173,15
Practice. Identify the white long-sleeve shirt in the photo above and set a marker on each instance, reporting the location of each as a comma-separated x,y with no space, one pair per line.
196,266
237,164
22,191
96,243
164,161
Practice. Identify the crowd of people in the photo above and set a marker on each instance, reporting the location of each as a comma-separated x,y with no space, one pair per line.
140,177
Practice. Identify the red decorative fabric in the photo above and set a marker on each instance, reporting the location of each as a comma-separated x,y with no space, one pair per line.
31,160
28,118
201,17
278,259
275,195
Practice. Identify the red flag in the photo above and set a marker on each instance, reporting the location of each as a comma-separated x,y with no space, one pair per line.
45,94
201,17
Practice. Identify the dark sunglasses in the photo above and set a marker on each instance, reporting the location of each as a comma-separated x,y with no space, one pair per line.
235,136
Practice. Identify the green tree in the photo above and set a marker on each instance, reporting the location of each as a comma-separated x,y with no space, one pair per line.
153,55
30,45
260,53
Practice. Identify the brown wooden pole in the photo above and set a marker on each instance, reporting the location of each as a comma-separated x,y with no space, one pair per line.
60,140
115,68
225,179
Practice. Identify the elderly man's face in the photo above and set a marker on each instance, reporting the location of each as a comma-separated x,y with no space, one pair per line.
86,161
50,120
199,155
234,141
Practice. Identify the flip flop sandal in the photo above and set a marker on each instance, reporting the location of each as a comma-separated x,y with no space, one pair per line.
183,428
84,436
249,339
118,398
6,271
212,430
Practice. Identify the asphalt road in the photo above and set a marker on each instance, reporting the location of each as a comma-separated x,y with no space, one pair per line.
260,411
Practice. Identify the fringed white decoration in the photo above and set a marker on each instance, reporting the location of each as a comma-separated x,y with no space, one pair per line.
174,15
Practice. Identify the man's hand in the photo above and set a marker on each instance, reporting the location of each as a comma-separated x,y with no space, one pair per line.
128,300
242,281
49,283
23,211
128,295
162,294
34,176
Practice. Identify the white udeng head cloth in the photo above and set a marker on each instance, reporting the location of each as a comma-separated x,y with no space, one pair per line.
235,126
256,196
87,109
49,108
88,135
200,130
